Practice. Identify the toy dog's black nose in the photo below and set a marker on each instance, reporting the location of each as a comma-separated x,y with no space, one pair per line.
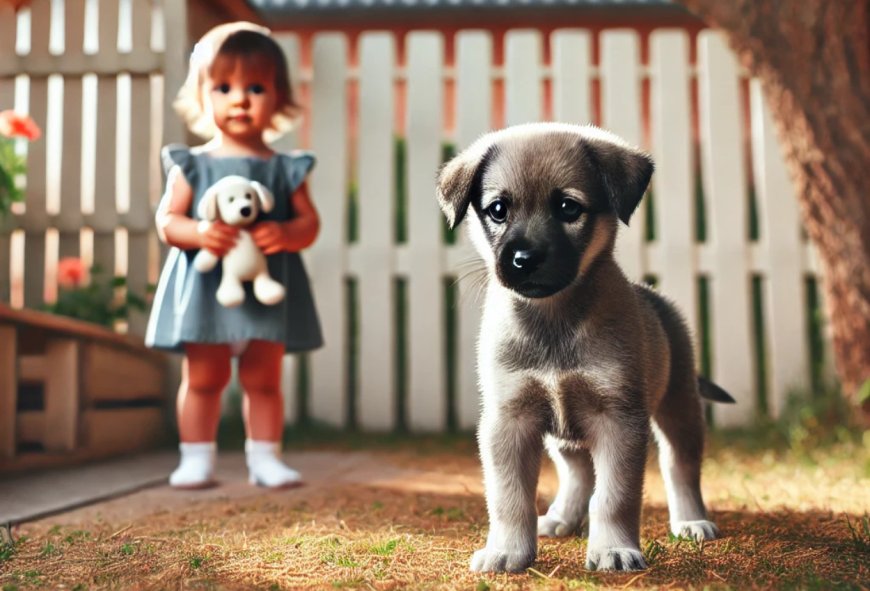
527,260
245,211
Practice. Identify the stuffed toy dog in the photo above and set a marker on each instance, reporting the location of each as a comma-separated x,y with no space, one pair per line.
238,201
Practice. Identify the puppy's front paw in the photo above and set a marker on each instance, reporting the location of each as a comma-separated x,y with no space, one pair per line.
621,559
698,530
498,561
552,527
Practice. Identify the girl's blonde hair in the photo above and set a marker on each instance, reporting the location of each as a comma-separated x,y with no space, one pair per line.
239,40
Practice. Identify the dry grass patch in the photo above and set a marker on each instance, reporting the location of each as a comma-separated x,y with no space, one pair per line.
810,532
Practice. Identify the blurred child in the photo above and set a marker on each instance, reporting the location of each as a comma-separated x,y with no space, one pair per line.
238,94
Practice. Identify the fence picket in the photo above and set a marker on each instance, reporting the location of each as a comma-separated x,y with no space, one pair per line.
670,120
785,298
473,117
376,178
104,218
725,195
8,35
35,219
427,393
289,44
620,113
7,101
329,182
41,15
139,218
572,65
523,77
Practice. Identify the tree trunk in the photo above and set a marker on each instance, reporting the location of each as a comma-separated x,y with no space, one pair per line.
813,59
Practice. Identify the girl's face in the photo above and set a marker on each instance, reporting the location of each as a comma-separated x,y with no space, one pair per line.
243,99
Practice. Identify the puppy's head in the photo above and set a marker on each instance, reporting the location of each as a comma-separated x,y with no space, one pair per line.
237,200
546,199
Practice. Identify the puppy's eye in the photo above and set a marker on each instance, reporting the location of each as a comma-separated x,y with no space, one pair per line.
569,210
232,198
498,211
248,196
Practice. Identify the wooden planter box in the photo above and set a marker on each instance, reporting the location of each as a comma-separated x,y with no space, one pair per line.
72,391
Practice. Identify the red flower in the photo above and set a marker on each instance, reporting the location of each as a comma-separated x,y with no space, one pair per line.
13,124
71,272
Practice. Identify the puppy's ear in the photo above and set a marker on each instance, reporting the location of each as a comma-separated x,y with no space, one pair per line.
625,173
459,179
267,200
207,208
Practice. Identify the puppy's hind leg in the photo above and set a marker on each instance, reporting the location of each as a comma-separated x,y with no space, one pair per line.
569,510
678,426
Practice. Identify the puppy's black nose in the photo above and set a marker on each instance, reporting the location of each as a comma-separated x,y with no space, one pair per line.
245,211
526,260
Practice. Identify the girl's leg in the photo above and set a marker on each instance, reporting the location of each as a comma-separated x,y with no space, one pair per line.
263,407
205,374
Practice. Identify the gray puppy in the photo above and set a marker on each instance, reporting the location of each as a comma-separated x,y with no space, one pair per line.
571,353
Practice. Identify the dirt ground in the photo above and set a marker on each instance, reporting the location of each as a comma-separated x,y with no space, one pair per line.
383,518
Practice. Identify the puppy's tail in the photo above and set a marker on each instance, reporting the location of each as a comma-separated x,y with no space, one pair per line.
712,392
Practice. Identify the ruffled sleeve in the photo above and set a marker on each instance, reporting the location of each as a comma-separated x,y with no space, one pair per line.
297,165
179,155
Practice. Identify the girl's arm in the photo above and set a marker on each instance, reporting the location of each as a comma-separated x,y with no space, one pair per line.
176,228
293,235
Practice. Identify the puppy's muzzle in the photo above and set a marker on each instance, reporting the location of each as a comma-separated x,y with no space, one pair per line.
524,269
527,261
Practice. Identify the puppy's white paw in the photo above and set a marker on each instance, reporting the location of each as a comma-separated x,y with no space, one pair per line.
621,559
498,561
698,530
551,527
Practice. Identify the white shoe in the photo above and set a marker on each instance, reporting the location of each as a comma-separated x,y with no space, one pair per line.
265,466
196,469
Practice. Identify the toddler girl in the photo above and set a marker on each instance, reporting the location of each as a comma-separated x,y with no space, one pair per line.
238,94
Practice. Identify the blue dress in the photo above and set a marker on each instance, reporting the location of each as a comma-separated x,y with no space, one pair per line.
185,309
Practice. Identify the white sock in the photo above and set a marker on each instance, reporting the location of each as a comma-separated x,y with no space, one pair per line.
265,466
196,469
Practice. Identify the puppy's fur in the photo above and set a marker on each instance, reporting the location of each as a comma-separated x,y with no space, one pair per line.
572,354
238,201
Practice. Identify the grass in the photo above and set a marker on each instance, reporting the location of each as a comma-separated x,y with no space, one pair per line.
790,521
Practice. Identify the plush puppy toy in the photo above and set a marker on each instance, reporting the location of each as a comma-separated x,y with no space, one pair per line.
238,201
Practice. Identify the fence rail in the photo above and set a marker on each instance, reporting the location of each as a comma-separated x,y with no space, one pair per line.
719,233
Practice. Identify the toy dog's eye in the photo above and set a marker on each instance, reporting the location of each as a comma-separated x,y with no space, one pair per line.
498,211
232,198
248,196
569,210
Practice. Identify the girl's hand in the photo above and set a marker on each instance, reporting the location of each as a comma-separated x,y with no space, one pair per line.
217,237
270,237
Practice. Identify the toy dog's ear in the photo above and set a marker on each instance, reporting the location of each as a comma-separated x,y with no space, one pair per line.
459,179
207,208
267,200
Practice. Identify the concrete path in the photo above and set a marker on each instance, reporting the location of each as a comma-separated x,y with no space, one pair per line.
136,486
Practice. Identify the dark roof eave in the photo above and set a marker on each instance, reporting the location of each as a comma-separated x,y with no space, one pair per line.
288,17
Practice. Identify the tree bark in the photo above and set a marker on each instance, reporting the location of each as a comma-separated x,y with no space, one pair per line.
813,59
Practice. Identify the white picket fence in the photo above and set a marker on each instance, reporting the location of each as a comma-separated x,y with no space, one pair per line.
99,179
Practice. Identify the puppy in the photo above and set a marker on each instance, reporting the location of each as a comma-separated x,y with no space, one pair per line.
238,201
571,354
